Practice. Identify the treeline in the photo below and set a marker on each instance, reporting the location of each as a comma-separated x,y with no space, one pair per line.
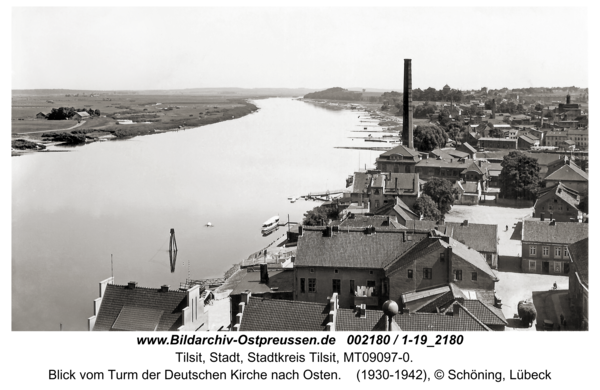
335,94
62,113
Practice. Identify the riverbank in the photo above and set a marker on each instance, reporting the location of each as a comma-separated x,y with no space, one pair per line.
97,129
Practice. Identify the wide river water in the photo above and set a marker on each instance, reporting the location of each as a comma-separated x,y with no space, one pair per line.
71,211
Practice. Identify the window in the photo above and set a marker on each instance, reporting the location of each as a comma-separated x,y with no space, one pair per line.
549,207
532,249
454,173
488,257
312,270
532,265
410,274
557,251
352,290
427,273
565,252
302,285
335,271
312,285
545,251
336,285
442,257
371,284
474,276
370,272
457,274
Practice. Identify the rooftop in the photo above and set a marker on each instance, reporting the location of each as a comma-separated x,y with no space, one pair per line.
568,172
481,237
267,315
554,232
579,254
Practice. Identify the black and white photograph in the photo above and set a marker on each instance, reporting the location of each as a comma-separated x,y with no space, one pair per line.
345,169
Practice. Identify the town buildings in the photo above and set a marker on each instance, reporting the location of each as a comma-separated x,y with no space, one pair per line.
545,245
559,203
571,176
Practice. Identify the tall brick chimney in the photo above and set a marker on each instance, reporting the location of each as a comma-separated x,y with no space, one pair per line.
493,108
407,123
264,274
568,94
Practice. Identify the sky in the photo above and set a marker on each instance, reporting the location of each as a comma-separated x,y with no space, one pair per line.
177,48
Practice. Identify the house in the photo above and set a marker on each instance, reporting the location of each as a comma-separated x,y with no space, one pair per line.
443,301
578,282
258,315
497,143
81,116
469,192
567,145
373,189
571,176
41,115
270,281
398,212
559,203
555,138
348,261
435,261
481,237
362,221
545,245
132,308
400,159
467,148
526,142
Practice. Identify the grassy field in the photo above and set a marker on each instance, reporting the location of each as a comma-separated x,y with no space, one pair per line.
164,112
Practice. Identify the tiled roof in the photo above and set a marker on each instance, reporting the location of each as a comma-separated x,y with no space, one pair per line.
470,255
452,163
368,220
489,315
481,237
141,319
117,297
560,233
360,183
349,248
579,254
558,190
568,172
422,248
401,150
423,322
268,315
406,181
282,280
470,148
420,226
349,320
404,211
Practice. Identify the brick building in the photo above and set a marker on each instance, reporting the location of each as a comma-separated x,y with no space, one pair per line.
437,261
545,245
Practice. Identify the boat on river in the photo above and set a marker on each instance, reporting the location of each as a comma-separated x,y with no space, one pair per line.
270,225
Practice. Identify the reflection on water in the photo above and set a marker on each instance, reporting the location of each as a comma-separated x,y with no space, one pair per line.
72,211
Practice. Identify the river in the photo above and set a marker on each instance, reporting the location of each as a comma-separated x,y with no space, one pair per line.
72,211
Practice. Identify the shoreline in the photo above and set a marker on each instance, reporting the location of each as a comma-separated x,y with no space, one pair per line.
123,132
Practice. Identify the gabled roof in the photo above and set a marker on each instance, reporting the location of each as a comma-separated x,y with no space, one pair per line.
281,279
481,237
83,113
422,248
349,320
404,211
466,145
579,254
568,172
401,150
487,314
268,315
420,225
138,309
406,181
349,247
457,322
370,220
560,191
554,232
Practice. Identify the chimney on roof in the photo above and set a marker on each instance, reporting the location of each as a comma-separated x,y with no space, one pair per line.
327,231
407,124
449,261
542,217
568,98
493,108
553,222
465,222
396,183
164,288
479,163
131,285
405,310
362,310
264,273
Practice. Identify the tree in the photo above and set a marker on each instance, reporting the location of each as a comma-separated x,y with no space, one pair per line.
97,112
539,107
520,176
427,208
429,136
527,312
442,192
320,215
495,132
454,129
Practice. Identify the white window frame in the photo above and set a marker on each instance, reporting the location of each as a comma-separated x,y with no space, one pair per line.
532,250
545,251
532,265
558,251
